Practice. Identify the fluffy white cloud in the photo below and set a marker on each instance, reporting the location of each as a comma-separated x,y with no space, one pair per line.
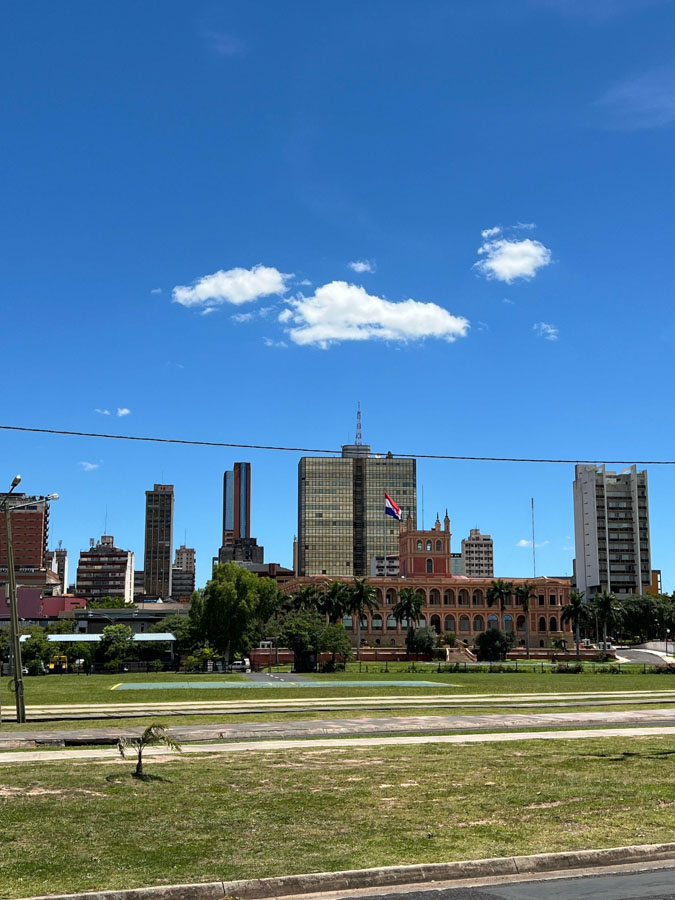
88,466
545,331
156,291
523,543
362,265
507,259
123,411
339,311
268,342
232,286
102,412
240,317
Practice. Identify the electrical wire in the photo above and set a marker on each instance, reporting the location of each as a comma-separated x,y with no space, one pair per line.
231,445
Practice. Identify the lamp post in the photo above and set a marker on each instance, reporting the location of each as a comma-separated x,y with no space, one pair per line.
17,668
667,633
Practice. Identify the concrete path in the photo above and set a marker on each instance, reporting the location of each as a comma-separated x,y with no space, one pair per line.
355,743
342,727
51,712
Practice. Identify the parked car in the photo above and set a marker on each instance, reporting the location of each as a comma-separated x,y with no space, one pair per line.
240,665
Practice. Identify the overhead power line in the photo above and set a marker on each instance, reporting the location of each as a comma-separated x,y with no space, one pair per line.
235,446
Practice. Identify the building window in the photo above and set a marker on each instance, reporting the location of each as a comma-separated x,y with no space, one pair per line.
508,623
450,624
449,598
419,545
430,567
435,623
478,623
542,599
428,545
493,621
542,623
553,624
347,621
377,622
439,546
520,623
391,623
553,600
464,624
434,597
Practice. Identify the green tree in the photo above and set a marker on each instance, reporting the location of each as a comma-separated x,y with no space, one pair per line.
608,610
153,735
181,628
423,640
307,634
499,592
524,594
335,601
37,648
110,603
80,650
361,600
4,643
407,609
494,644
117,643
336,641
306,598
575,611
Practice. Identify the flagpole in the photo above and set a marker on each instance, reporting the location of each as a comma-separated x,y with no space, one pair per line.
384,570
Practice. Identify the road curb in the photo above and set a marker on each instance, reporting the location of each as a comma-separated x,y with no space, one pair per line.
319,882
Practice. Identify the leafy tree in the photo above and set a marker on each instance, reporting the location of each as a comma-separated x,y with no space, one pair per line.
336,641
110,603
306,598
37,648
524,594
335,601
423,640
499,592
63,626
494,644
407,609
196,615
153,735
181,628
306,634
361,600
80,650
575,611
117,643
4,643
608,610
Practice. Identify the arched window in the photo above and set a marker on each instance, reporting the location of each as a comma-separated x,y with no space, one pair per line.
434,597
553,624
364,623
391,623
428,545
422,621
478,623
439,547
421,593
449,597
508,623
542,623
464,624
450,624
520,623
430,567
347,621
377,622
463,597
435,623
391,597
419,545
378,596
493,622
477,598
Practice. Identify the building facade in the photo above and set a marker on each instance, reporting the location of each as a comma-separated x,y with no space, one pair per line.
159,504
183,574
478,555
106,571
30,532
57,561
341,519
236,503
611,531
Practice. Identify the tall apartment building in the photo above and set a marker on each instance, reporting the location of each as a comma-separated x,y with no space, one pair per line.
106,571
158,540
341,519
185,558
611,531
478,555
183,574
57,561
238,545
30,532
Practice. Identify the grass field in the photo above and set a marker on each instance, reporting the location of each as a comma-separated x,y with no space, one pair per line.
89,825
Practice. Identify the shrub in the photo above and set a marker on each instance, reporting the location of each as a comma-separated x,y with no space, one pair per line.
662,670
156,665
567,668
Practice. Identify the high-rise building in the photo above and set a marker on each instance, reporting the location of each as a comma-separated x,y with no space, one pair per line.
158,540
341,518
611,531
183,574
478,555
106,571
237,503
57,561
30,532
456,564
185,558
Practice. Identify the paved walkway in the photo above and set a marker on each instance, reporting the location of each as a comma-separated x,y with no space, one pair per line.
51,712
357,743
344,727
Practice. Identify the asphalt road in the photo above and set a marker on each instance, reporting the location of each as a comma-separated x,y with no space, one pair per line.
642,656
658,884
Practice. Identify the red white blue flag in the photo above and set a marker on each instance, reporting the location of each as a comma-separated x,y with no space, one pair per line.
390,508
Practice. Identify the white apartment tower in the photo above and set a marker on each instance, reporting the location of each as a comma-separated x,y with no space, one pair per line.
611,531
478,555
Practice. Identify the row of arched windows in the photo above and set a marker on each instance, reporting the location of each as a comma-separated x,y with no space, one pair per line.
439,546
449,623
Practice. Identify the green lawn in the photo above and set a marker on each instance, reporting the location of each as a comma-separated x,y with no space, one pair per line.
88,825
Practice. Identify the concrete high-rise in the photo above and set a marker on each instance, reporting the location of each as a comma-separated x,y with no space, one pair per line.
30,532
341,518
57,561
611,531
158,540
106,571
183,574
478,555
236,503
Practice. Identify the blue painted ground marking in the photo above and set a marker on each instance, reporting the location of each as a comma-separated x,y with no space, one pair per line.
199,685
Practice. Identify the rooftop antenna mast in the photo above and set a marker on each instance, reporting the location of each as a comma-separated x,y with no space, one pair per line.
359,434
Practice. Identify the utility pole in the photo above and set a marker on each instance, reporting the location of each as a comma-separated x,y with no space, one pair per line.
14,620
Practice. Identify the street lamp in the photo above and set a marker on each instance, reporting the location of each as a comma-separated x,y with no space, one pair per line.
13,606
667,633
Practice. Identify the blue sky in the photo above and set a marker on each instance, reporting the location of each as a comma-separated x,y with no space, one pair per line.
187,184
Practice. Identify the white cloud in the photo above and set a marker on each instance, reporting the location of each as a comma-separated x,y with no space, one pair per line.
507,259
232,286
545,331
239,317
647,101
523,543
305,282
102,412
261,313
123,411
88,466
363,265
339,311
268,342
207,310
156,291
510,302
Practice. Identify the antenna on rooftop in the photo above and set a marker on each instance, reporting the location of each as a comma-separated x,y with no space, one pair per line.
359,434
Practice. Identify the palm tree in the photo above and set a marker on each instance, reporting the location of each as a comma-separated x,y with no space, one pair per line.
153,734
335,601
408,609
524,593
361,599
608,611
499,592
306,598
576,612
